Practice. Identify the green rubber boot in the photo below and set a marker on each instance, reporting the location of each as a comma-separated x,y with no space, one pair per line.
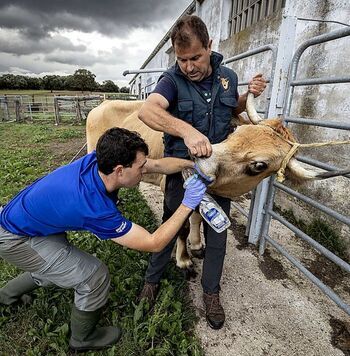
14,291
85,336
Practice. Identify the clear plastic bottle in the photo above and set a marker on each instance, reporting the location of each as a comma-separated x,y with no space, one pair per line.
211,211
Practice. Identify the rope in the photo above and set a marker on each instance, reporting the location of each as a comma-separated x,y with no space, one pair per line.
77,154
295,146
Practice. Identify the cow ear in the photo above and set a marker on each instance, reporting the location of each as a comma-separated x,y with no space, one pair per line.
278,126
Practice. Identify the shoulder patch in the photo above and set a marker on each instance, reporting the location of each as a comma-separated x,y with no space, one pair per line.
225,82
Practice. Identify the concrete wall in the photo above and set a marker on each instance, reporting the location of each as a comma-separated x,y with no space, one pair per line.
328,102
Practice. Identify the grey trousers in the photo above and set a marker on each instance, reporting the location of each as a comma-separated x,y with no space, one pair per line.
53,260
215,249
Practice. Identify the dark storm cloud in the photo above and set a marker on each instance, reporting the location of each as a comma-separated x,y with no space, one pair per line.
20,45
110,17
75,58
34,35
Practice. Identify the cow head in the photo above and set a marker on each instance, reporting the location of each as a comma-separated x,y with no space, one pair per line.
252,153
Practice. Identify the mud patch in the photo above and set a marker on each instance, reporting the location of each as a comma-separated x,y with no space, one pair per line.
62,152
271,268
327,271
340,335
238,232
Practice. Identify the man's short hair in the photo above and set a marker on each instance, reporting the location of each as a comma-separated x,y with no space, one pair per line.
118,146
184,29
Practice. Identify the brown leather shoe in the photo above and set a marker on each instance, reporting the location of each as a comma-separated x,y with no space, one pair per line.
149,292
214,311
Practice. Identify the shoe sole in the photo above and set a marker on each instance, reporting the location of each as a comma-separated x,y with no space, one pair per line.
214,326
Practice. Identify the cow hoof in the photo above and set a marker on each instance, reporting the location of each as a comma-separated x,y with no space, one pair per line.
184,264
198,253
189,273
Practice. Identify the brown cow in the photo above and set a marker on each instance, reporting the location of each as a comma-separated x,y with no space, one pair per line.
238,164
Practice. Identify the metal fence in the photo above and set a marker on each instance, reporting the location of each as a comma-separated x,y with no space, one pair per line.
55,108
268,211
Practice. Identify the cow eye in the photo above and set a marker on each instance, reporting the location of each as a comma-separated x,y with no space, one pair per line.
256,168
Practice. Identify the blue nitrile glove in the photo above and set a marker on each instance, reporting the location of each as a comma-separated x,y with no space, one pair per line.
194,192
206,179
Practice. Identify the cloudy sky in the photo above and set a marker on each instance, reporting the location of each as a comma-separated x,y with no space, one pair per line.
39,37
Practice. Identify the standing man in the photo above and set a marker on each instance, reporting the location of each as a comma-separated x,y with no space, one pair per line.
83,195
193,104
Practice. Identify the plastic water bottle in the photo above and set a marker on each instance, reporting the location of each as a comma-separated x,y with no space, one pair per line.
211,210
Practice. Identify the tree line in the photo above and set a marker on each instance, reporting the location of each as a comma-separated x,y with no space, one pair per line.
82,79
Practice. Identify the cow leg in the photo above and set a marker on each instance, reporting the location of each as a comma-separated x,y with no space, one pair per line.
197,249
183,259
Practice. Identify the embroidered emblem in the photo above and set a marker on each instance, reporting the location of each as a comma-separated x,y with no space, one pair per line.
121,227
225,83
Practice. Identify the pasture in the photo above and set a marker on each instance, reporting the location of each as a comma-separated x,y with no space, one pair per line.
29,151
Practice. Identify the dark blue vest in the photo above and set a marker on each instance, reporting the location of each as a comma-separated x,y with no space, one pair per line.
212,119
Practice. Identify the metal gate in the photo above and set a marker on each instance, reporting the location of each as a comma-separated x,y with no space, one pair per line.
267,201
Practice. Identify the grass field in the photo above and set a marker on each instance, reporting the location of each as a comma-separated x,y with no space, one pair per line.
30,151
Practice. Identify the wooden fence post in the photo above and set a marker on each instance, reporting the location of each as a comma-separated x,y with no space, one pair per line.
18,109
78,110
57,111
6,108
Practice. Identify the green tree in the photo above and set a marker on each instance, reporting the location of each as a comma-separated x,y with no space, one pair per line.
84,80
124,89
7,81
52,82
109,86
34,83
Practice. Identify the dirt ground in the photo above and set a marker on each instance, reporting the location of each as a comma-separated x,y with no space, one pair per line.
271,308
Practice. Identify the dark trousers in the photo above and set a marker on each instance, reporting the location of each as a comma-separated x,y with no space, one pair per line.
215,242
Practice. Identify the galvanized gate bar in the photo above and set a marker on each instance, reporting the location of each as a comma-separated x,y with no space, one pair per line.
341,263
240,209
250,53
296,58
138,71
316,81
314,203
309,275
312,122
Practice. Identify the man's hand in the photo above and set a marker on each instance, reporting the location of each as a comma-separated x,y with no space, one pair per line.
194,192
198,144
257,85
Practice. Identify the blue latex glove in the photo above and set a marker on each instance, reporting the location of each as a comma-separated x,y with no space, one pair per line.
206,179
194,192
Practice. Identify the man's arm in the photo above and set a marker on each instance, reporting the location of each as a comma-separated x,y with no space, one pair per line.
153,113
167,165
140,239
255,86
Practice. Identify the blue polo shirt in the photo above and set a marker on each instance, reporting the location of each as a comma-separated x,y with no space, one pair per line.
72,197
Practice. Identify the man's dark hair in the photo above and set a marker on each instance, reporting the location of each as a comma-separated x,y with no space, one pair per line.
184,29
118,146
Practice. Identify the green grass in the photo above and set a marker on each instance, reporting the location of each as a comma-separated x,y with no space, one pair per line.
29,151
